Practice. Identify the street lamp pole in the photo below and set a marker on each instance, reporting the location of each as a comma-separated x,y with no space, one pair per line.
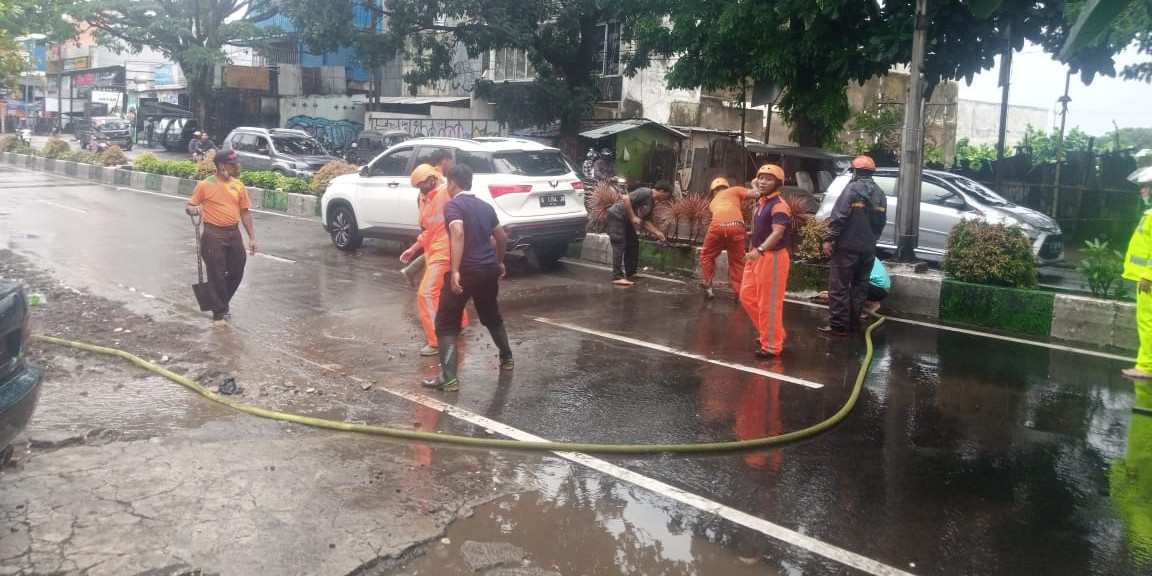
911,153
1064,100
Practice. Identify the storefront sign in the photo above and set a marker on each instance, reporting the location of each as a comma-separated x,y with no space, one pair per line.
109,98
246,78
75,64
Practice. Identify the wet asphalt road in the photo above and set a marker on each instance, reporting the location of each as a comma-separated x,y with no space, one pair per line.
965,455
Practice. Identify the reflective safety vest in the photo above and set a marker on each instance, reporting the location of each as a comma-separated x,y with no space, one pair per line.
1138,261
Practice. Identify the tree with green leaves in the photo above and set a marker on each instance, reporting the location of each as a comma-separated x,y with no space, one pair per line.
1128,139
1041,145
812,50
23,17
560,40
190,33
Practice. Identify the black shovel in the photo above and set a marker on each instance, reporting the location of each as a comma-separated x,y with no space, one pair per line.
205,292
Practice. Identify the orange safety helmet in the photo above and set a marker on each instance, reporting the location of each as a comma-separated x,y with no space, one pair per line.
772,169
863,163
424,172
718,183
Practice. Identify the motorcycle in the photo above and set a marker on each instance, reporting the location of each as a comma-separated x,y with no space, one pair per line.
351,156
98,146
26,136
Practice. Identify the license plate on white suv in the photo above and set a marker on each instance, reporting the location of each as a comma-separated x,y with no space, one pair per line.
551,200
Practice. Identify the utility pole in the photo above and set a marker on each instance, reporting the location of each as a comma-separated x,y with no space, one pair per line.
911,147
1005,77
1064,100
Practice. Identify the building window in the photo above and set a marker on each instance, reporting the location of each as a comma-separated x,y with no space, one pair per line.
511,64
607,61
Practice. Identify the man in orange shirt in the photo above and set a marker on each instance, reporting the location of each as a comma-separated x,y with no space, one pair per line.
222,200
766,276
433,241
725,233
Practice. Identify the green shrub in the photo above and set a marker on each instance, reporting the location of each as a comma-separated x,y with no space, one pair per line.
146,162
179,169
328,172
1102,269
9,143
82,156
260,179
810,246
55,147
112,156
205,167
983,253
293,185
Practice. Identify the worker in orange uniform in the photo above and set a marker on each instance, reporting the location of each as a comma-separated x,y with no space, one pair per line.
433,241
725,233
766,272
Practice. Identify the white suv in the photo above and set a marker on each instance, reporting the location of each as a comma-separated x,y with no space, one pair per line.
536,194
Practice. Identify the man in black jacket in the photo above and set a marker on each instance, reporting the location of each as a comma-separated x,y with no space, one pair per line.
855,225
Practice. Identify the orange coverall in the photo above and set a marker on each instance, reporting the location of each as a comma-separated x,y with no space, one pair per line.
766,279
725,233
437,254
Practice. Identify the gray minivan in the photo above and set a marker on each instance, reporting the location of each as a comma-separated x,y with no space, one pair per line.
284,150
945,200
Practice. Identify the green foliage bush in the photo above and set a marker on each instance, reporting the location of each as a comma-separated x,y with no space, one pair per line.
55,147
810,247
112,156
82,156
328,172
146,162
293,185
265,179
205,167
983,253
179,169
9,143
1102,269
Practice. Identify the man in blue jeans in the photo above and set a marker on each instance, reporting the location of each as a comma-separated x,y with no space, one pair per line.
477,243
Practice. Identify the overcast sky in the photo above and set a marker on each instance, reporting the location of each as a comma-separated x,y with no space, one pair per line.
1037,80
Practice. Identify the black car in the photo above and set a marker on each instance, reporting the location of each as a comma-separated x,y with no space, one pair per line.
174,133
370,143
108,129
19,378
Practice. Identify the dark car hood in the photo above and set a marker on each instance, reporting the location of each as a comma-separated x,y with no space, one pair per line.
315,161
1032,217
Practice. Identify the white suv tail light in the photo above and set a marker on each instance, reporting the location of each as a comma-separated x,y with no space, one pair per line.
498,190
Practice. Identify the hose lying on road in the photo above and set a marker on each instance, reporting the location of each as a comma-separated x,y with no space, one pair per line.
493,442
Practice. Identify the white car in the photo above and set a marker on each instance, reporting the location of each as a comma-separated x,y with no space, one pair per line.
945,200
537,195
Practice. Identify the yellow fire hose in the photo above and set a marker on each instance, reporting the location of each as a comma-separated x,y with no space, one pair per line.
430,437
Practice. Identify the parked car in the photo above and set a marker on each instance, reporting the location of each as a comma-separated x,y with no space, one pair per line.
283,150
537,195
110,129
175,133
19,378
945,200
370,143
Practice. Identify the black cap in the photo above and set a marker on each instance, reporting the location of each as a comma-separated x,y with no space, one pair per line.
225,157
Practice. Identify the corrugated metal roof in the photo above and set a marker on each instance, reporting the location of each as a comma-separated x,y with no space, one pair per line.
624,126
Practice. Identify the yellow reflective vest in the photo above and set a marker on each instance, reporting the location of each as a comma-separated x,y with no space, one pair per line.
1138,261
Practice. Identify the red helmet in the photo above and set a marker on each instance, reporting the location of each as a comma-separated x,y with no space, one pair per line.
863,163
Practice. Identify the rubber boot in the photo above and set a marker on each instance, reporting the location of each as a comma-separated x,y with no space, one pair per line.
500,337
447,379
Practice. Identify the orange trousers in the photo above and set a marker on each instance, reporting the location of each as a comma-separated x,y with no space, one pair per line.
428,298
719,239
762,294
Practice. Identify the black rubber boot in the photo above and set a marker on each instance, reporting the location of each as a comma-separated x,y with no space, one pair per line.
447,379
500,337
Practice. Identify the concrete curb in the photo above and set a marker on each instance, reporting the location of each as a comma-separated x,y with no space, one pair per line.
304,205
1073,319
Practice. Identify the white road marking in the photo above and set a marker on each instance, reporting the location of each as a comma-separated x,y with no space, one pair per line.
72,208
694,356
600,267
276,258
770,529
1049,345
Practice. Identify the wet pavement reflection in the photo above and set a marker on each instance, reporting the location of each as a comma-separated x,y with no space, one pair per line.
965,455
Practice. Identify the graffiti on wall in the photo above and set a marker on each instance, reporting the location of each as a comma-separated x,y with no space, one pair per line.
441,128
336,135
